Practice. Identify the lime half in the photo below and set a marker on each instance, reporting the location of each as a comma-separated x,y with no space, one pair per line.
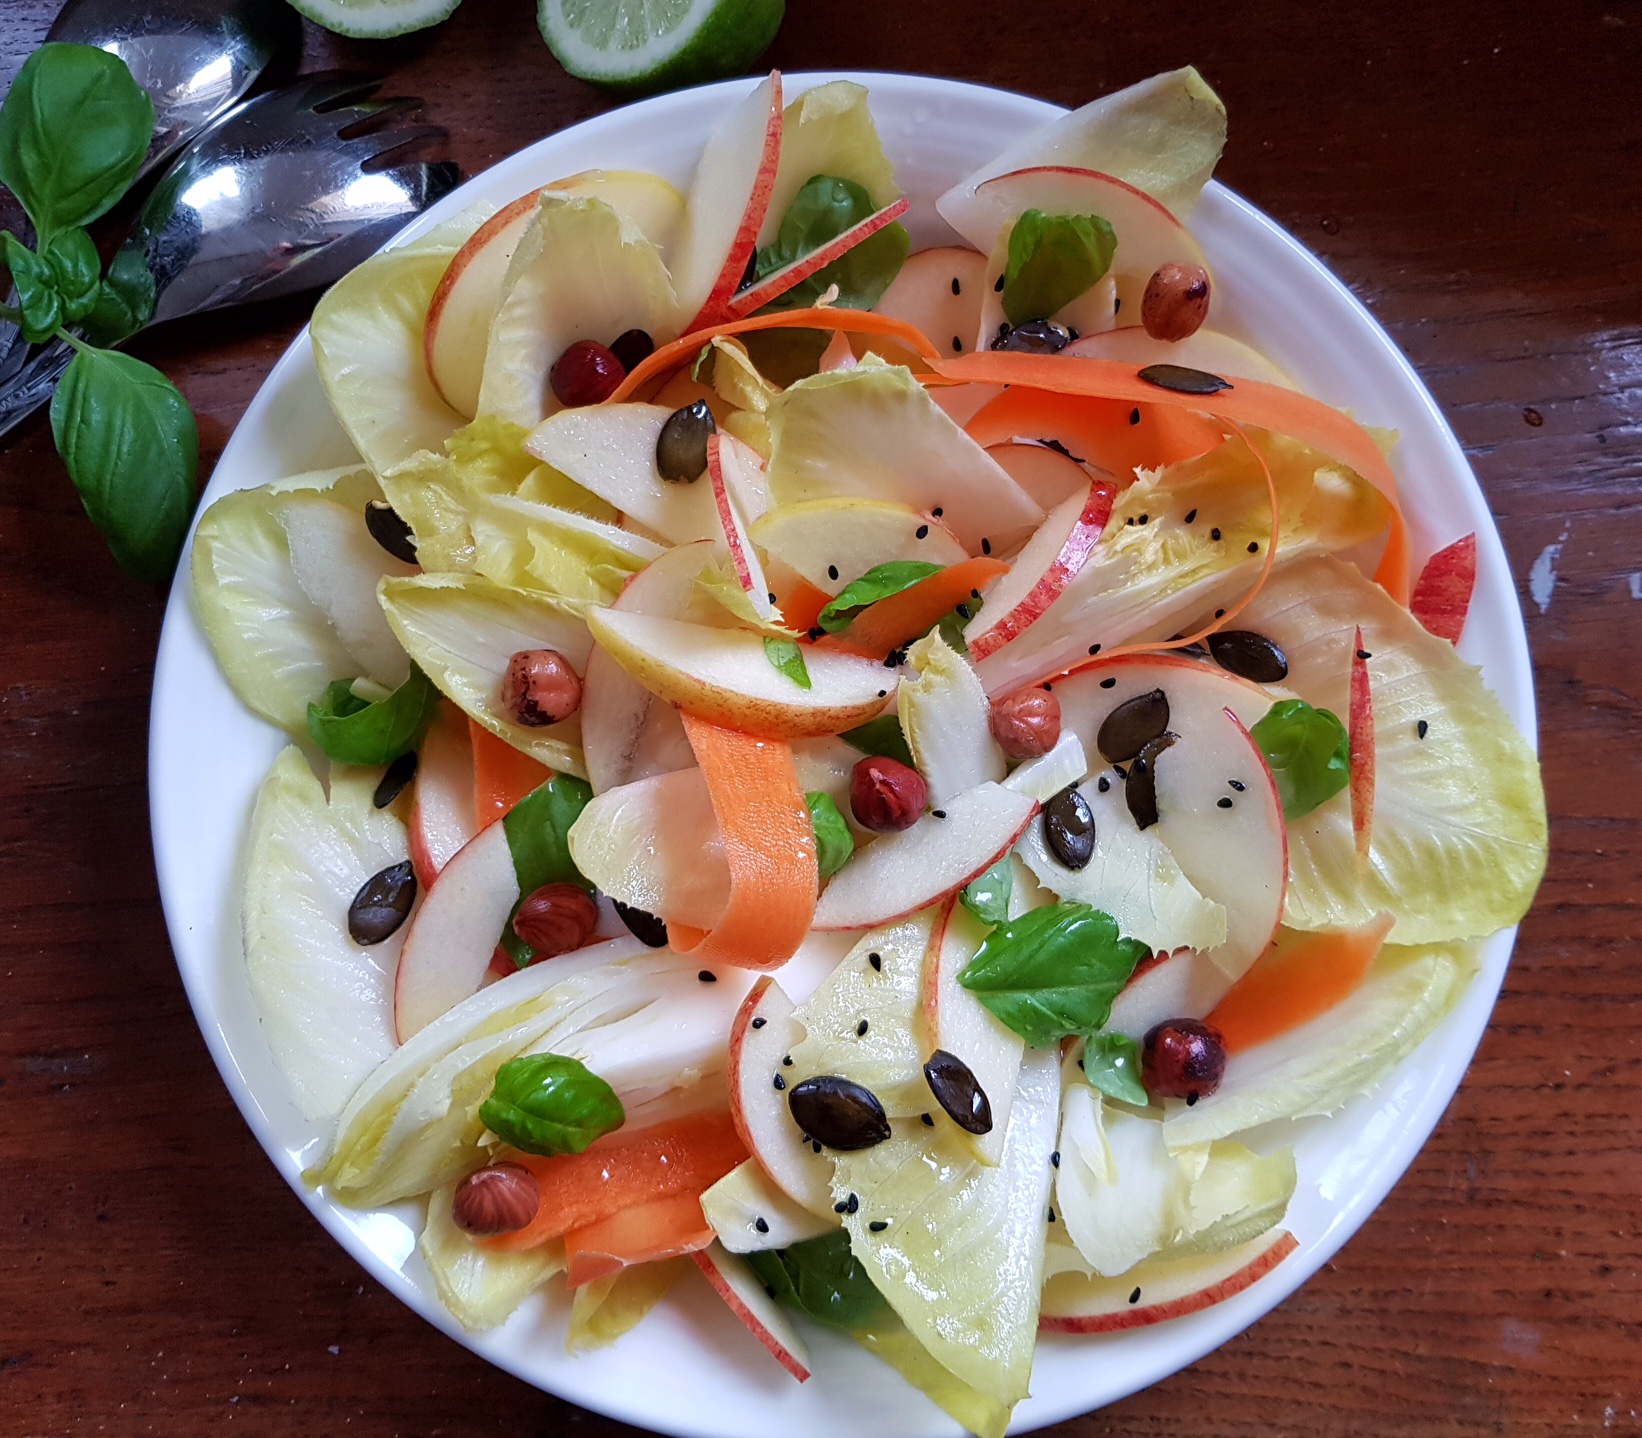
636,46
375,19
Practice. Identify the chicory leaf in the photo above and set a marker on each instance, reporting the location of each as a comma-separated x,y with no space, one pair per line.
822,1278
879,582
131,447
1052,260
1309,752
786,656
881,736
987,897
74,129
833,841
822,210
1111,1063
1053,971
353,731
549,1104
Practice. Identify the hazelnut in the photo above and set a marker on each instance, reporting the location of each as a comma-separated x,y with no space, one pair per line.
1182,1058
540,687
886,794
500,1199
1026,723
1176,301
556,919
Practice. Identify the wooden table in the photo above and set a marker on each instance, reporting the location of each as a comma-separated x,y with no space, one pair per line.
1475,174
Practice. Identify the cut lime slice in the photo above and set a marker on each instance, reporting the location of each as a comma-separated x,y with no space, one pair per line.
375,19
641,45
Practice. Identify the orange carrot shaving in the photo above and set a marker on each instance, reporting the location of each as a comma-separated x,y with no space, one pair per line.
1360,727
645,1233
683,1156
897,618
860,322
1296,980
769,841
1115,435
1246,401
801,604
502,775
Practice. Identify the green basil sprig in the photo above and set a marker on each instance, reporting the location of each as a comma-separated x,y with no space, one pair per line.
1111,1063
833,841
355,731
879,582
549,1104
74,129
987,897
538,829
1309,752
822,1278
785,655
1052,260
881,736
1053,971
822,210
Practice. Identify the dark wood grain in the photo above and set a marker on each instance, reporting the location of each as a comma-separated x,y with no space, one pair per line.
1475,174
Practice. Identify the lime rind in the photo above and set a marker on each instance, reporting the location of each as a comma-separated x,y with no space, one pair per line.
375,19
618,44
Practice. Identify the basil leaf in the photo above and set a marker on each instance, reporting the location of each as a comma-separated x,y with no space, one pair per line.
1309,752
821,211
879,582
132,448
833,841
987,897
76,271
549,1104
820,1277
74,129
1053,971
125,299
786,656
1111,1063
37,297
881,736
537,830
1052,260
353,731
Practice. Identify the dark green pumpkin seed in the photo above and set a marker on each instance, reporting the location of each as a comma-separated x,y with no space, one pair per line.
1182,379
1132,726
1035,337
389,530
382,904
958,1091
1249,655
644,927
838,1112
1069,828
1140,783
394,778
681,447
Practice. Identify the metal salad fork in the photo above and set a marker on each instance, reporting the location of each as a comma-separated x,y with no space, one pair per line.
286,192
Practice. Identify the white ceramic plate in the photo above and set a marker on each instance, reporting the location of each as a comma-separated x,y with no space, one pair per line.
689,1368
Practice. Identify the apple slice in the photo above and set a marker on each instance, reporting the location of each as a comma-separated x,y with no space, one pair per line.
940,290
1186,984
1048,563
463,305
763,1035
1159,1289
1360,731
728,464
1442,595
1219,814
451,939
774,285
1209,350
960,1024
1095,310
735,1282
728,199
901,873
832,542
725,676
750,1212
1048,475
442,817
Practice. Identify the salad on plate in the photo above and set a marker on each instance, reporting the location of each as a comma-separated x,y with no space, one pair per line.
893,779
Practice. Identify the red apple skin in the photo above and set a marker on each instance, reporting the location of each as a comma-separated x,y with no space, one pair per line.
1164,215
715,309
1140,1317
732,1070
771,287
1442,594
1074,553
1361,734
746,1317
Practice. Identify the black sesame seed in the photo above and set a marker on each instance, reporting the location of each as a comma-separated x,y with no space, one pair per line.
761,1225
1103,784
1254,546
1364,654
937,511
861,1029
1191,514
1094,649
957,344
759,1023
771,593
956,288
852,1204
1191,1100
1135,1296
1214,534
986,546
707,976
877,962
1129,523
1051,1215
1054,1158
938,813
922,532
786,1061
1134,415
1224,803
815,1144
1108,683
999,286
963,611
840,1207
883,693
832,571
1120,771
1144,518
878,1225
1237,784
769,1290
1422,728
780,1082
928,1121
1220,614
816,631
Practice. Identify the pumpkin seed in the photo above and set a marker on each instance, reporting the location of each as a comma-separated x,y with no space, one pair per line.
958,1091
382,904
838,1112
1182,379
1132,726
1140,784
